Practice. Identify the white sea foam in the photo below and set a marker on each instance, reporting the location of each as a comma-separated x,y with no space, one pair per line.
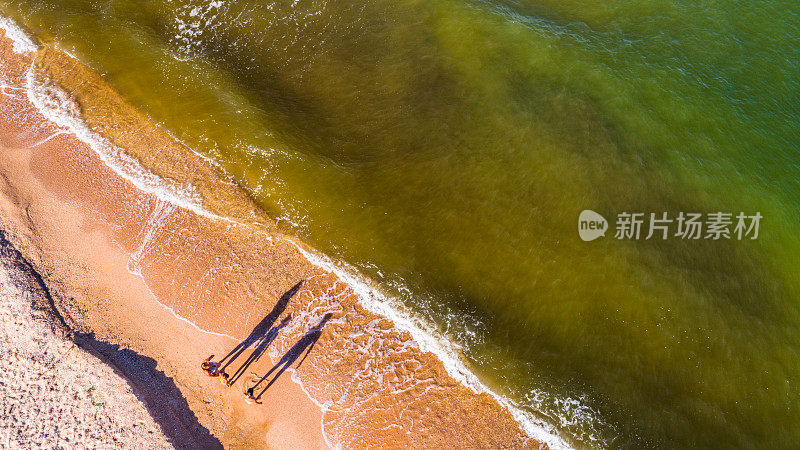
428,339
58,106
22,42
191,22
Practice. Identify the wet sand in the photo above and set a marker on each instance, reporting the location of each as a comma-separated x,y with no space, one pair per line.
96,292
142,267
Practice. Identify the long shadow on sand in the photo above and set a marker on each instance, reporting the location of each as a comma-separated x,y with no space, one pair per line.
306,343
261,335
260,349
158,392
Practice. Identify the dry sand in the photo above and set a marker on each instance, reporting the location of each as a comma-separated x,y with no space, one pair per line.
54,393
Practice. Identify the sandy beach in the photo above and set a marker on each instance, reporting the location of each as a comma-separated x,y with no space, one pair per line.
101,299
56,393
155,261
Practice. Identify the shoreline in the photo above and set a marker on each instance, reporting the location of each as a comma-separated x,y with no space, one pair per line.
142,225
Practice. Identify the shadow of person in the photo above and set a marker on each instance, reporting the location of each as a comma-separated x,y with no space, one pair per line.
260,349
306,343
261,329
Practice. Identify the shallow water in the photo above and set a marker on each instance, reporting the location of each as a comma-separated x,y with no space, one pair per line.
446,148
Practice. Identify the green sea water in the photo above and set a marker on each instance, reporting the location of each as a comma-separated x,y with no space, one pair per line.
445,148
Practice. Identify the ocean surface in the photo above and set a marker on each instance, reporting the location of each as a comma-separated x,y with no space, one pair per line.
445,149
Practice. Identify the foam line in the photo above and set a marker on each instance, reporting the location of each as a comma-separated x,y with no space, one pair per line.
428,340
58,107
22,43
57,133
